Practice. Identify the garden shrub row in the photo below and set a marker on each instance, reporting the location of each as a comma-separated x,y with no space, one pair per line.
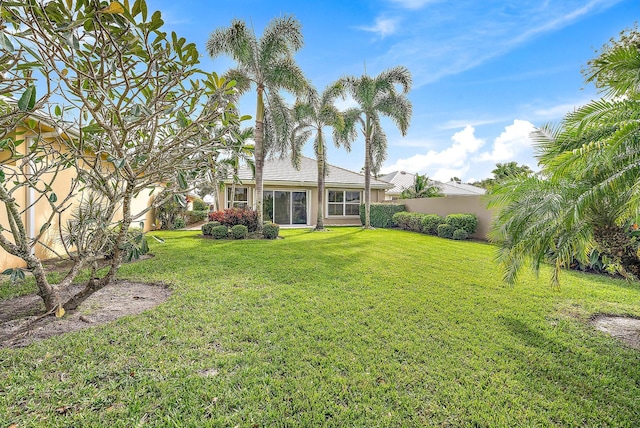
234,216
453,226
381,215
238,231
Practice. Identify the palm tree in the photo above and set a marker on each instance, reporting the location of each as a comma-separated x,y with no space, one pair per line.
422,188
589,192
377,96
311,116
267,64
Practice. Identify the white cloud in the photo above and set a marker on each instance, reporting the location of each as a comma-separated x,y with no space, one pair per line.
383,26
510,142
451,161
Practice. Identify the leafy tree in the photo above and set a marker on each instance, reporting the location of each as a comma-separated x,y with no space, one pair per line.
134,109
587,197
422,188
311,116
266,63
376,97
504,171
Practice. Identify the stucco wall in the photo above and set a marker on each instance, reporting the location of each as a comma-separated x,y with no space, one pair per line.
312,202
455,205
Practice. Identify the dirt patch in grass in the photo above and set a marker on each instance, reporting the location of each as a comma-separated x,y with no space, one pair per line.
623,328
21,322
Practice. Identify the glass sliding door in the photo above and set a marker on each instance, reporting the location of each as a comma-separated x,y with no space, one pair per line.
285,207
299,207
267,205
282,207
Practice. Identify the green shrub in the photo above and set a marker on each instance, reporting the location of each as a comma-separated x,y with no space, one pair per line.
195,216
239,231
179,223
207,228
220,232
460,234
446,231
232,216
270,230
468,222
381,215
430,223
408,221
199,205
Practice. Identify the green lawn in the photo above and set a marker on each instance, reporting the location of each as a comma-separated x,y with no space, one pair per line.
343,328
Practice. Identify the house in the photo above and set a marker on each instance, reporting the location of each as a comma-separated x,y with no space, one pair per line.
290,195
402,180
36,211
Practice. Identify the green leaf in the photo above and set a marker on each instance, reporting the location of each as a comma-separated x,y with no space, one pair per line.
182,181
7,271
5,43
53,198
28,99
2,177
58,111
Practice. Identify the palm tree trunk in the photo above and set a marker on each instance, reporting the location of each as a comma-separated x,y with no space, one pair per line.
367,176
321,169
258,153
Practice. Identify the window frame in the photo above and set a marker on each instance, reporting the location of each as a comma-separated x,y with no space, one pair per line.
343,203
244,204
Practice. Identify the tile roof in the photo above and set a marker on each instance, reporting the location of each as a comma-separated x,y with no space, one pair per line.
280,171
403,180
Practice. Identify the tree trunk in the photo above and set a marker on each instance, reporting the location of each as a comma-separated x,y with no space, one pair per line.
259,155
321,174
367,176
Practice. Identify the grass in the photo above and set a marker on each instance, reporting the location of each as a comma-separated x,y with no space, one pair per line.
345,328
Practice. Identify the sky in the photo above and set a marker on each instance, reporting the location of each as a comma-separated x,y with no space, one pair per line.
485,73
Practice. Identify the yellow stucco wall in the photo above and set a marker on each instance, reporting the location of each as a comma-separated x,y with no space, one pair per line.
41,211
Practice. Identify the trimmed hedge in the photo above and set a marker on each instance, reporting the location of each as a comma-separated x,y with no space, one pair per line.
179,223
220,232
232,216
207,228
468,222
199,205
460,234
381,215
446,231
270,230
430,223
195,216
239,231
408,221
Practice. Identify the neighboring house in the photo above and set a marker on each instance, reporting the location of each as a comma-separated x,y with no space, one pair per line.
402,180
36,212
291,195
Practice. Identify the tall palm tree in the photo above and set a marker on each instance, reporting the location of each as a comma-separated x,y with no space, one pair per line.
268,65
311,116
377,96
422,187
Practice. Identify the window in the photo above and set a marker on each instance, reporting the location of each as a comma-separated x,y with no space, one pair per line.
343,203
240,199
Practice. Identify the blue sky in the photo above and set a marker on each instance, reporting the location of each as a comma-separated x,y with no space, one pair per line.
485,72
